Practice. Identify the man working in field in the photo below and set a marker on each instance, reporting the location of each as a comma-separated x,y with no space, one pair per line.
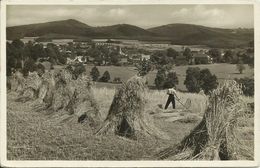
172,93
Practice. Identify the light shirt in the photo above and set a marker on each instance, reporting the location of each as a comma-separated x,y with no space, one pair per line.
171,91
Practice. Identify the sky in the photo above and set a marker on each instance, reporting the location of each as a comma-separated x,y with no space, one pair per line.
145,16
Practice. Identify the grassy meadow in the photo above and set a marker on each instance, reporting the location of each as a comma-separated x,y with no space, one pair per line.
34,135
222,71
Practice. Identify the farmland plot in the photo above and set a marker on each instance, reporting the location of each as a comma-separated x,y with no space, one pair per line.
36,136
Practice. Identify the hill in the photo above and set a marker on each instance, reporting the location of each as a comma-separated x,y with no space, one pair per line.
65,27
123,30
183,34
188,34
74,29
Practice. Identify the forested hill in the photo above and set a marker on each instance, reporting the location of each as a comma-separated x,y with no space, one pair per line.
189,34
184,34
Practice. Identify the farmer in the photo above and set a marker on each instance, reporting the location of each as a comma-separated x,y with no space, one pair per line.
172,93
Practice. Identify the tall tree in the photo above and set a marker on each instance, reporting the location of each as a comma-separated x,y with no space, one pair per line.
247,85
114,56
208,81
17,43
172,53
144,67
160,78
105,53
159,58
11,60
105,77
240,67
191,81
228,56
215,54
197,79
37,51
171,80
29,66
97,55
187,53
18,52
94,73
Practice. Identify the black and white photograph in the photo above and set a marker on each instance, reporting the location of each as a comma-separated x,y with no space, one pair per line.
128,82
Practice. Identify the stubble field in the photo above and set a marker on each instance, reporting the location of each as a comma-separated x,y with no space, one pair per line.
35,135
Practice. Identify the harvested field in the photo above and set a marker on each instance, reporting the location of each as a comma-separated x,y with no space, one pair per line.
216,136
34,135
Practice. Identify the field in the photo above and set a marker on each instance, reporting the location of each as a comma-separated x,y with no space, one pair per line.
222,71
36,136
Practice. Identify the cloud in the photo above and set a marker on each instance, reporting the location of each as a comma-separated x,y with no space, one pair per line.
227,16
214,16
117,12
197,13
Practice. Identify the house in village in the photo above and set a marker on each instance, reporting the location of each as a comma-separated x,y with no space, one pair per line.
90,59
27,39
62,41
102,42
121,53
123,61
134,58
145,56
201,58
47,65
79,59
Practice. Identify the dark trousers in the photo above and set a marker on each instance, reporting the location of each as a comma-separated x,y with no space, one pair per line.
171,98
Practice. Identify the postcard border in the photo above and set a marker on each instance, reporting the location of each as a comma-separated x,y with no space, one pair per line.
3,144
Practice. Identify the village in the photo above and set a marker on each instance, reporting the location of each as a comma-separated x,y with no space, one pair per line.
127,52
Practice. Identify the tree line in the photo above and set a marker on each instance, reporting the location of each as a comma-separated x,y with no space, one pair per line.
25,57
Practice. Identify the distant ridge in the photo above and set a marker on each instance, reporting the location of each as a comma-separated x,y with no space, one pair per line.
66,27
189,34
184,34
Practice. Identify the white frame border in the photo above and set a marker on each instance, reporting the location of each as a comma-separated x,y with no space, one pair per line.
52,163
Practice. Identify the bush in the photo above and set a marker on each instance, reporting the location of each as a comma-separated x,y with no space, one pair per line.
105,77
228,56
144,67
69,68
247,85
208,81
197,79
117,80
165,79
29,66
160,78
240,67
192,82
79,69
172,53
171,80
62,59
76,70
181,61
215,54
94,73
